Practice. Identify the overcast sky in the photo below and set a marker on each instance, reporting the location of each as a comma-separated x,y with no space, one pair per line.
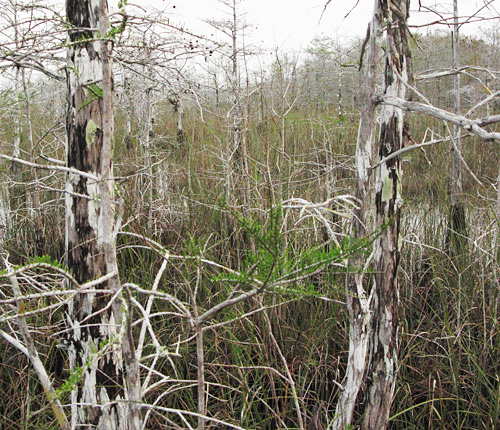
292,24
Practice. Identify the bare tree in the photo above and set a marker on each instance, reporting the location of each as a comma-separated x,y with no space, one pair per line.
4,214
383,354
358,296
373,310
457,222
101,354
147,133
33,198
24,27
236,180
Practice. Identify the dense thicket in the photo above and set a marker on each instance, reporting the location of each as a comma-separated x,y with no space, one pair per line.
298,122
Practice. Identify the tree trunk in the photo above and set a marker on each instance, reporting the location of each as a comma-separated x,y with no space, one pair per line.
16,152
4,215
200,365
32,198
357,295
236,128
236,163
382,369
98,345
15,172
146,143
128,109
179,111
457,227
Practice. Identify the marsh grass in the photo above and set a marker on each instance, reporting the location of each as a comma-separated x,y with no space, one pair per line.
449,350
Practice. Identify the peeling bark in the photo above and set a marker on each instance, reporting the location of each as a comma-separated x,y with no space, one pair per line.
99,342
382,369
358,302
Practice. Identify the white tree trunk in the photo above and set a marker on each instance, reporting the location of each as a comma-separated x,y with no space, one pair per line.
100,344
4,214
128,109
358,302
179,110
147,136
382,369
17,92
235,165
16,151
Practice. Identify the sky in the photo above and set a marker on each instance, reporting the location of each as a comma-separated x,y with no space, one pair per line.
292,24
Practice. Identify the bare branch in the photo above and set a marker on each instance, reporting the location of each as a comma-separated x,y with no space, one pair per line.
70,170
472,126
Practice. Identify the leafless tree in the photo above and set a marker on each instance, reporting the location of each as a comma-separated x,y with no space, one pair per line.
108,394
373,309
457,222
358,284
383,333
236,179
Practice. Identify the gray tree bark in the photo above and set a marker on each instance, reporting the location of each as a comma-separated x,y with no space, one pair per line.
383,351
101,350
373,311
4,214
147,141
358,301
236,165
457,223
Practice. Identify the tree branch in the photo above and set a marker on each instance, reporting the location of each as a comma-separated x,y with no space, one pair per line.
70,170
471,125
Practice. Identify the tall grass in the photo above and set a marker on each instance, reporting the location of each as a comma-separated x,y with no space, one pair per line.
449,352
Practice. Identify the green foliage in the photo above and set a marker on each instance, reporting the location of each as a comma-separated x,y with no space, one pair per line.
74,379
115,31
96,90
47,259
42,260
193,246
287,270
268,259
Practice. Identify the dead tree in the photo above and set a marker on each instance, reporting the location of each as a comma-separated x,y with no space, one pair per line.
382,370
373,304
456,224
236,173
101,352
358,301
